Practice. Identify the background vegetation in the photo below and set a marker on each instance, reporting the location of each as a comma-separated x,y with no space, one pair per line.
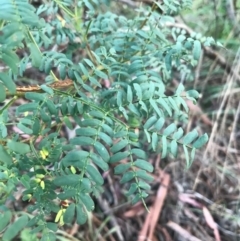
114,41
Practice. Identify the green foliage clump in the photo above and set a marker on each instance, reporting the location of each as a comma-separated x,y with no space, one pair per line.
113,96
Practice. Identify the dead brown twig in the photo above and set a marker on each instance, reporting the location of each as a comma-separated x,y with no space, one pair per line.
155,211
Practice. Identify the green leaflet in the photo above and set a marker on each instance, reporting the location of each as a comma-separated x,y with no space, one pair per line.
138,89
154,140
4,156
170,129
120,134
127,176
102,151
87,201
173,104
137,198
164,105
119,98
119,146
5,218
99,162
18,147
94,174
67,194
196,49
52,226
133,188
144,185
90,122
139,153
47,89
35,96
75,158
190,137
8,56
68,122
15,228
9,83
49,236
150,122
177,135
155,107
119,156
82,141
86,185
193,94
51,107
35,54
147,135
81,215
143,165
164,146
159,124
106,138
202,140
2,93
174,148
144,175
36,127
86,131
129,94
27,107
121,168
69,214
108,129
68,180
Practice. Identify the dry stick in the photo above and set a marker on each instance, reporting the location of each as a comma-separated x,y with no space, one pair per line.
59,85
161,195
143,233
152,217
182,231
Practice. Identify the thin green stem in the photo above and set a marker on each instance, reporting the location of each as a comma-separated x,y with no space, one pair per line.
9,104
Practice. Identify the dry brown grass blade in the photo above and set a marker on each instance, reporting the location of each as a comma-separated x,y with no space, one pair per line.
182,231
143,233
166,234
137,210
211,223
155,210
158,204
187,198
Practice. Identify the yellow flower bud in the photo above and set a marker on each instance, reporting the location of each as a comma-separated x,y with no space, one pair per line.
29,197
61,222
42,184
44,153
37,180
43,156
73,169
40,176
58,216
